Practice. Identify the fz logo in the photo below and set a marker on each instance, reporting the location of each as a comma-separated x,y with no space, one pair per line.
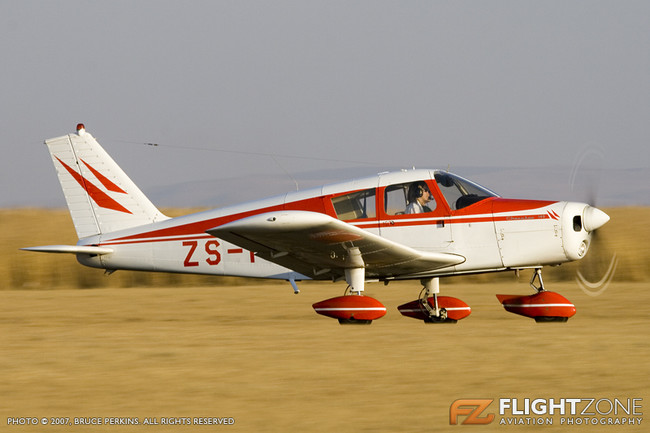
472,409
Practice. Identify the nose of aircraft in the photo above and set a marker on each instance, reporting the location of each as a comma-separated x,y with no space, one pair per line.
594,218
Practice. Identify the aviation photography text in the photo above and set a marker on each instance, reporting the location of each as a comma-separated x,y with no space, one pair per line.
552,411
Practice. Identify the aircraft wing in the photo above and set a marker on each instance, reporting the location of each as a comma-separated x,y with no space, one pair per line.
318,246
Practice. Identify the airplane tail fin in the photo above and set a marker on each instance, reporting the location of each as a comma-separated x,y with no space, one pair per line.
100,196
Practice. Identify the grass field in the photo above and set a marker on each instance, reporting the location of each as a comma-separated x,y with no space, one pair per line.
260,355
264,358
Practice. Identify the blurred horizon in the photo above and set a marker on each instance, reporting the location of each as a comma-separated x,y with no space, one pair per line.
609,188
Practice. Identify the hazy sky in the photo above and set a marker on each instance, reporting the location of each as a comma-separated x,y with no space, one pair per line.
392,83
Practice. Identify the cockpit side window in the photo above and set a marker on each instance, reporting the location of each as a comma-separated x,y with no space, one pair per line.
355,205
395,199
460,192
408,198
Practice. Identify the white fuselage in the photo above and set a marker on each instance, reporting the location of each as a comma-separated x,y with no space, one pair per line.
493,235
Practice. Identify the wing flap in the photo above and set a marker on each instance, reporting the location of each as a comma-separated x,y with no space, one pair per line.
318,245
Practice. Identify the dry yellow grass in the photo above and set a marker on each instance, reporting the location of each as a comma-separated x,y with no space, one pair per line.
264,358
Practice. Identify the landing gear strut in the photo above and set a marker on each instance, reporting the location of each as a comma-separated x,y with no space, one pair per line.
434,312
537,275
353,308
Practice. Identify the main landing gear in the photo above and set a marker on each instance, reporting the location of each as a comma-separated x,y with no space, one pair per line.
433,308
543,306
430,307
353,308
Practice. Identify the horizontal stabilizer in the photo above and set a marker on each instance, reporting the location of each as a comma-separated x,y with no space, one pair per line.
70,249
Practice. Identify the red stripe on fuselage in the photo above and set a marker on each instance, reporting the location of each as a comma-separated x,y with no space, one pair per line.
315,204
482,212
165,239
501,205
194,228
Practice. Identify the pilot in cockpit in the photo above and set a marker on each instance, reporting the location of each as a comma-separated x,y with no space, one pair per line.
418,196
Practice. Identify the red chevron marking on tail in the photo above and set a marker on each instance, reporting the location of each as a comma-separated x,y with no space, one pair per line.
104,180
100,197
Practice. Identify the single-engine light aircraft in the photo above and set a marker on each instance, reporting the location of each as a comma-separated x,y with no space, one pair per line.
404,225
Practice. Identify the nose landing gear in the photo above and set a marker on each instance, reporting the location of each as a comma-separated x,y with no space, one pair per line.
543,306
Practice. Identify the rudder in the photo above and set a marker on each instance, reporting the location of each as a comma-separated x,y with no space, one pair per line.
100,196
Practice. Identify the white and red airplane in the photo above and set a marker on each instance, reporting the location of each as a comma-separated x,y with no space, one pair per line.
405,225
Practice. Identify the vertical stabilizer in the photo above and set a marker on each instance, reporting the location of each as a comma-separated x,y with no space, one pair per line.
100,196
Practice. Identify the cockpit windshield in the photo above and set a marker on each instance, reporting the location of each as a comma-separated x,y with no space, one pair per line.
460,192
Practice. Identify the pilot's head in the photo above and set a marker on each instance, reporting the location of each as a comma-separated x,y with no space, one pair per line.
419,191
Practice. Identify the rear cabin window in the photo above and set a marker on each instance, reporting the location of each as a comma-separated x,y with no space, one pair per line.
355,205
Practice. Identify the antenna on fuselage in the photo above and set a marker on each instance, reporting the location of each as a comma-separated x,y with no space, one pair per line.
286,172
